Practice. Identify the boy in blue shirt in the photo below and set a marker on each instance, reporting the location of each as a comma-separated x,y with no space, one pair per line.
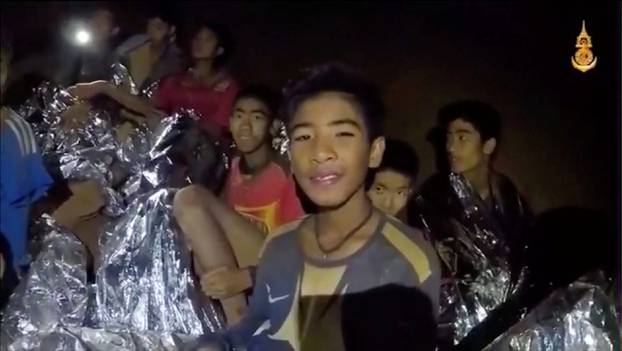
23,178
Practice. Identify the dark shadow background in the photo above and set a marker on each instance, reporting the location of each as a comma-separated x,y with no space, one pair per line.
561,127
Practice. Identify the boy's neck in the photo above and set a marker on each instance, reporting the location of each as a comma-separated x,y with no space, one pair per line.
256,160
341,219
203,69
480,179
157,47
100,46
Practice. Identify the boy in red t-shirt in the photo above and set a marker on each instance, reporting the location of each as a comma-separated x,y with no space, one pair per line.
260,195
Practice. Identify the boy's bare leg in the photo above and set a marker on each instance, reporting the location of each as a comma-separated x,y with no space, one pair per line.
88,230
208,242
245,238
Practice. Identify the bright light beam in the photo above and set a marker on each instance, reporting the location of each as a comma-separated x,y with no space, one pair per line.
82,37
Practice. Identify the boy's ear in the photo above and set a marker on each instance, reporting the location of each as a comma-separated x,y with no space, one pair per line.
172,32
220,51
489,146
377,150
116,31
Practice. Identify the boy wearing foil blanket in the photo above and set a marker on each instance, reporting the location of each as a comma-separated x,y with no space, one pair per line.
226,234
348,260
474,201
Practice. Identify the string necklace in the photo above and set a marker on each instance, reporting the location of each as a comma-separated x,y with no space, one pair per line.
326,252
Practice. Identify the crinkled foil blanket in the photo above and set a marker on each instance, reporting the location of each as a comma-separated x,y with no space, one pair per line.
580,317
466,301
145,297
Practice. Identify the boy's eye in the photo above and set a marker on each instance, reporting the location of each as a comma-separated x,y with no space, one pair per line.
379,189
345,134
258,117
302,137
238,115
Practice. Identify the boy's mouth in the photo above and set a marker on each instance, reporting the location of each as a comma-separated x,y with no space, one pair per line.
326,178
244,137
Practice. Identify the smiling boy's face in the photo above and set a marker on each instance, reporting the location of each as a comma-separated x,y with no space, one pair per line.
330,148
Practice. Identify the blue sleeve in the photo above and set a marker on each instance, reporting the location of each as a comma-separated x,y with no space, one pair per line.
11,168
40,178
23,178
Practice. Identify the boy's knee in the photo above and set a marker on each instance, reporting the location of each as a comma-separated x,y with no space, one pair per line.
188,198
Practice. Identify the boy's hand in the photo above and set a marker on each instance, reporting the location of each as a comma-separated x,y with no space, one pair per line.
225,282
87,198
88,90
75,115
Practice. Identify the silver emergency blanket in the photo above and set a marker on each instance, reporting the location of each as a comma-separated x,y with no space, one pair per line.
469,298
578,317
145,297
145,282
145,154
150,90
86,150
280,142
121,77
49,99
93,129
52,296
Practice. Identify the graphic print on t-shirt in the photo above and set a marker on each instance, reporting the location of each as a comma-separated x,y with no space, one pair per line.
264,217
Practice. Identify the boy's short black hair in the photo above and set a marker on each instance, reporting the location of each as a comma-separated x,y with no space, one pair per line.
224,37
339,78
399,156
484,118
163,11
262,93
105,7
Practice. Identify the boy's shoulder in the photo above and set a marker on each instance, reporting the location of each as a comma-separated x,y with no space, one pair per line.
283,239
16,130
284,234
9,114
393,223
131,44
411,244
